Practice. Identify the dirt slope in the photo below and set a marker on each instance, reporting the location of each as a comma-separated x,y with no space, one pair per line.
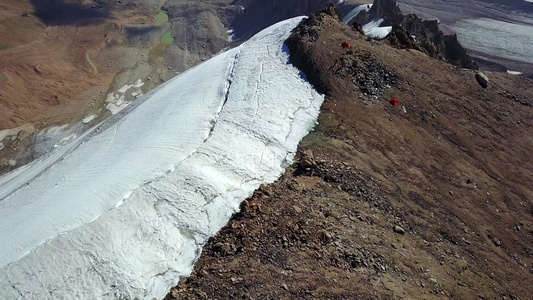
429,199
60,59
44,66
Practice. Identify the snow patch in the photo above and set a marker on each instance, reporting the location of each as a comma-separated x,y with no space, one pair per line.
373,30
124,211
66,140
231,35
88,119
515,72
119,99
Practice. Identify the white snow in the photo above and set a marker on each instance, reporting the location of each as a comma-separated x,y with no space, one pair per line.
514,72
6,132
123,211
498,38
88,119
373,30
354,12
231,35
55,137
13,132
117,100
65,141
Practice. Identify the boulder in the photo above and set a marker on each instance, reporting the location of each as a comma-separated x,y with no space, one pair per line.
308,160
399,230
482,79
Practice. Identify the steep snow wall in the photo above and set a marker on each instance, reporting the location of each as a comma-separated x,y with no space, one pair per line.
123,213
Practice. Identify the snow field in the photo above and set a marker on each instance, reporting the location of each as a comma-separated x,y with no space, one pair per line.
125,213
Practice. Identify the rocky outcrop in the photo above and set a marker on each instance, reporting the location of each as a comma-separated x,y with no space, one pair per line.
302,39
359,28
386,9
456,54
425,36
411,32
367,75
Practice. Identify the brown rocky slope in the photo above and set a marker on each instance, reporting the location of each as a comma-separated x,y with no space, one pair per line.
428,199
59,60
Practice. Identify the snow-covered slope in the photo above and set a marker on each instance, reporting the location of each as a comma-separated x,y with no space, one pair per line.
124,212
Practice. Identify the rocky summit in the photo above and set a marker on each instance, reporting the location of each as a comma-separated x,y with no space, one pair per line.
425,36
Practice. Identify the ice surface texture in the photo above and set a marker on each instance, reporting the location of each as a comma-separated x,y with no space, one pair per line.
498,38
125,212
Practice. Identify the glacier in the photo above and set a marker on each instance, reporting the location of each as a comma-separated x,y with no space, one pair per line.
502,39
124,210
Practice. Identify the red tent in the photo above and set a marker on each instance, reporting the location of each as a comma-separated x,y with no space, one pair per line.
394,101
345,45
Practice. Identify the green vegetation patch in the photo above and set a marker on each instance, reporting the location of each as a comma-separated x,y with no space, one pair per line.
161,18
167,38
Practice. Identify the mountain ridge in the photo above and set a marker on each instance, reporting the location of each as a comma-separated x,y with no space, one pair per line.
429,198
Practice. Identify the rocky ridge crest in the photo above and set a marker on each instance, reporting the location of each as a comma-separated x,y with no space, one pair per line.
411,32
